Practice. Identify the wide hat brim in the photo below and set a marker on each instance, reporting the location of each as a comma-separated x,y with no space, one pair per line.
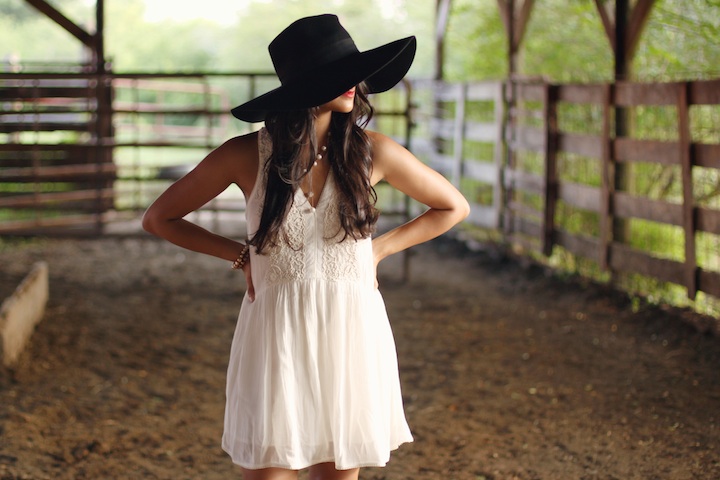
380,68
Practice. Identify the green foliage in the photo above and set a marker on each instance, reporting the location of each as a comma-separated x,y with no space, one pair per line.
370,23
565,42
133,43
28,36
680,41
475,46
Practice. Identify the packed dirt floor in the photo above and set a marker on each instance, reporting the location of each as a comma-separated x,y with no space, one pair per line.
507,372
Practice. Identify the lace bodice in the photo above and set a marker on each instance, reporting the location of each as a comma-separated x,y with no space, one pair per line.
311,244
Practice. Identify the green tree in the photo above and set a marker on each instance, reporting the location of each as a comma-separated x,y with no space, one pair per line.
681,41
475,46
134,44
565,42
369,25
26,35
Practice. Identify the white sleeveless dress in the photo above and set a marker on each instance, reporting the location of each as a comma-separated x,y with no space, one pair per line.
313,373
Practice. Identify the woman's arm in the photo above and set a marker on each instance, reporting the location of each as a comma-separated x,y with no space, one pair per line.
402,170
236,161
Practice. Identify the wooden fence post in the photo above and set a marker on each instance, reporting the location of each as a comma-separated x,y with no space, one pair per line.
509,132
498,153
686,163
607,189
551,180
459,135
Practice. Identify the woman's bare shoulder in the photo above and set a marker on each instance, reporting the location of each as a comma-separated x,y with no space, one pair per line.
242,145
379,140
236,159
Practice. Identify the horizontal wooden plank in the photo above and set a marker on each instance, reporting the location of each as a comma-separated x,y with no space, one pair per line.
626,259
447,92
165,109
422,146
444,164
39,225
483,216
46,199
48,147
524,210
529,139
40,94
526,226
521,180
708,220
581,245
581,196
580,144
628,94
705,92
482,132
443,128
706,155
59,173
575,93
629,206
481,171
484,91
651,151
8,127
709,282
530,92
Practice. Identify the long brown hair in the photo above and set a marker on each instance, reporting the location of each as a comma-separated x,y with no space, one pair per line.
350,155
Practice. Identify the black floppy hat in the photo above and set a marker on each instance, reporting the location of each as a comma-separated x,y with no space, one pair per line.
317,61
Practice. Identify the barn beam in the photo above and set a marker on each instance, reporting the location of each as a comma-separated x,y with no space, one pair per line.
442,16
607,22
635,19
515,27
56,16
638,19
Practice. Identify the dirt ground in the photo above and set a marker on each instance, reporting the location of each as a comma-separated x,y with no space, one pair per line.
507,372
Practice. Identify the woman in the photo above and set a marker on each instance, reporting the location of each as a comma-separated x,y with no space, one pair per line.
312,379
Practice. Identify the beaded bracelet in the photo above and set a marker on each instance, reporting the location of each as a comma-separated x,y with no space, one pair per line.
242,258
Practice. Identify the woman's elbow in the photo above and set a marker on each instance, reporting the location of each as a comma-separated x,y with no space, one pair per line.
150,221
461,209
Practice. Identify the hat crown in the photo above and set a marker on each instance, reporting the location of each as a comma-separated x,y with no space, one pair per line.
307,44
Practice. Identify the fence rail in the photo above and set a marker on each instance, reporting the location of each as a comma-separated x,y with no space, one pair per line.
544,166
543,134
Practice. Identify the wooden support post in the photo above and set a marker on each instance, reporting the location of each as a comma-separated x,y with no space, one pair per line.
498,156
622,174
551,180
442,17
607,190
686,164
458,135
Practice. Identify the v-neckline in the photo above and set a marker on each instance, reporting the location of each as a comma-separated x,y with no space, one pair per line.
320,193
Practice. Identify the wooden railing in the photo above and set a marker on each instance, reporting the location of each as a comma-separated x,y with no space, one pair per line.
543,201
52,157
80,151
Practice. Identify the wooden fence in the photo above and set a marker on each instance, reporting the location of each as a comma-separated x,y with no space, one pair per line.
625,175
78,150
551,132
53,159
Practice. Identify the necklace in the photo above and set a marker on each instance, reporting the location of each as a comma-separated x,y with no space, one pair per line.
318,157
